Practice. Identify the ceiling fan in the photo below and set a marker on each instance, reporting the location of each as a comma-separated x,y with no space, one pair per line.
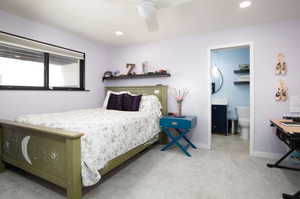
147,9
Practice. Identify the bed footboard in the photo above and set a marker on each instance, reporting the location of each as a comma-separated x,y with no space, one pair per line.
2,165
51,154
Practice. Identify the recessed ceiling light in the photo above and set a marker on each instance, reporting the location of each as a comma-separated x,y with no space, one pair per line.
119,33
245,4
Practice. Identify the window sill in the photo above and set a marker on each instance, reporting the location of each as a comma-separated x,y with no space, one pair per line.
67,89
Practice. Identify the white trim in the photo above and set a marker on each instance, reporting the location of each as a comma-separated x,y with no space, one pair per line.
261,154
252,99
201,145
252,102
209,99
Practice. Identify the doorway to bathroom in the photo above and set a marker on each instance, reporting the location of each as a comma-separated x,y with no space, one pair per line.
231,99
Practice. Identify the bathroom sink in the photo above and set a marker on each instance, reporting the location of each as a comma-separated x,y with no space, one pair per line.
219,101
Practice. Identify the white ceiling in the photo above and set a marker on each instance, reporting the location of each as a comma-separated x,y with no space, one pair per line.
99,19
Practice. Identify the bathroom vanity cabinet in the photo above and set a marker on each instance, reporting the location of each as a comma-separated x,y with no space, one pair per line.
219,119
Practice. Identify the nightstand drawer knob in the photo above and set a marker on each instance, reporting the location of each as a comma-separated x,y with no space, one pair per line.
174,123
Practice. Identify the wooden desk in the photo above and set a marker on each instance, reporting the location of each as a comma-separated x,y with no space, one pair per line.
286,129
291,137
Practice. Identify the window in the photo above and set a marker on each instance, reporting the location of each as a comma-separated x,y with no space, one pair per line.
21,67
31,65
64,72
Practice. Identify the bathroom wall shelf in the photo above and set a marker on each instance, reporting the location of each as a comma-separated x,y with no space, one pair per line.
241,82
138,76
242,71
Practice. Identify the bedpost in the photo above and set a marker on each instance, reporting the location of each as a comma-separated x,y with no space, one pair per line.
163,139
73,168
164,100
2,165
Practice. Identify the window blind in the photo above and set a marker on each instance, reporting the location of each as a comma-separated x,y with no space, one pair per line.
38,46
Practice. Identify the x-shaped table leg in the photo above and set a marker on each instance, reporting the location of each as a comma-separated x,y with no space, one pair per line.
185,138
175,139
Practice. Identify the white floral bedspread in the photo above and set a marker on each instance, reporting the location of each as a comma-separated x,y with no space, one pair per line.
108,134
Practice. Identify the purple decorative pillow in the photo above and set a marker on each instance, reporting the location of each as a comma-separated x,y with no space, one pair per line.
115,102
131,103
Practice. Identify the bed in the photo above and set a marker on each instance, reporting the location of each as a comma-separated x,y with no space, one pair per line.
55,154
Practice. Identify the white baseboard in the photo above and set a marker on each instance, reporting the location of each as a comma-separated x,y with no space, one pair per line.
259,154
266,155
202,145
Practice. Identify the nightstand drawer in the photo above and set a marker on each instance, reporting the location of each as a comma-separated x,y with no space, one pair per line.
187,122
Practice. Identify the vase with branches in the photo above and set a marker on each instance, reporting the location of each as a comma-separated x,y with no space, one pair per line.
179,95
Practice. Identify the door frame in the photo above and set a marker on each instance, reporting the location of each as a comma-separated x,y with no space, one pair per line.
252,99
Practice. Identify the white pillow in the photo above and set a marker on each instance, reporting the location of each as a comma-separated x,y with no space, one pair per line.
150,104
108,95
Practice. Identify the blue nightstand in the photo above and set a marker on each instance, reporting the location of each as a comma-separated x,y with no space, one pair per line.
182,125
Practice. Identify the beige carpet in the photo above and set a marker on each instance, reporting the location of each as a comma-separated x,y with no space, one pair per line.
226,172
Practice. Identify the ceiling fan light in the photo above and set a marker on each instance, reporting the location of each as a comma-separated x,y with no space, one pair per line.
119,33
245,4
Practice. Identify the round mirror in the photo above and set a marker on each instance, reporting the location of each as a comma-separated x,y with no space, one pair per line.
217,79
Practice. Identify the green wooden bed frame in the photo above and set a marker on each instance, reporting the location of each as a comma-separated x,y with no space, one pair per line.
55,154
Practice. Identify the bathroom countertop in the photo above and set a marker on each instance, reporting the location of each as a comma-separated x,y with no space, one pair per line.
219,101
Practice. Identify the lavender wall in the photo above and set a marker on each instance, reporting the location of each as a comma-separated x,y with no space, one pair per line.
187,59
13,103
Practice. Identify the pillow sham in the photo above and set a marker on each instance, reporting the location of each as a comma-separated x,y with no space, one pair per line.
115,102
108,95
131,102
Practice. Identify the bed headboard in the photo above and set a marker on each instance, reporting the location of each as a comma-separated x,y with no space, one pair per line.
160,91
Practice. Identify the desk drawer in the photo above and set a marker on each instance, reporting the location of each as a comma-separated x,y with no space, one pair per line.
178,123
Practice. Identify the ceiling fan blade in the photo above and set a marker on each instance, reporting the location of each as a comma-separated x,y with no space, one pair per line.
152,24
147,10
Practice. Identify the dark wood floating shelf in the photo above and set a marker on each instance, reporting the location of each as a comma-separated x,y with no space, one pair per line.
242,71
241,82
138,76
